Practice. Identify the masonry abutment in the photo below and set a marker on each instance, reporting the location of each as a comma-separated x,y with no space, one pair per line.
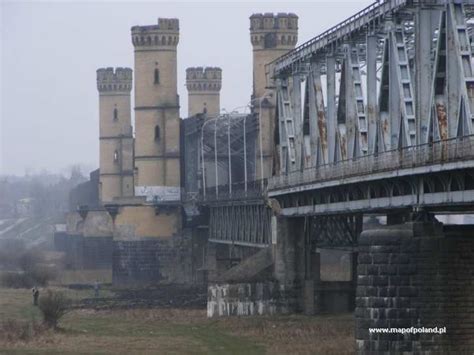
296,268
150,245
415,275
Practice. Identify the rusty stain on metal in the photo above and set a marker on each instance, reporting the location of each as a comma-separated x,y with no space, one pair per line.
370,109
470,90
443,128
322,130
364,138
343,147
385,127
442,120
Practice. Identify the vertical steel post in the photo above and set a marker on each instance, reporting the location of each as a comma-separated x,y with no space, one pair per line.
372,42
423,40
331,105
203,161
298,121
313,117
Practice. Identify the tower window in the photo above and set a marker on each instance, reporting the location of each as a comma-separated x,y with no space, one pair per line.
157,133
116,156
157,76
115,114
270,40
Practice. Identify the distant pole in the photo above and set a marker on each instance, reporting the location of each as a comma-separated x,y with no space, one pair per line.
245,152
215,157
203,159
260,136
229,155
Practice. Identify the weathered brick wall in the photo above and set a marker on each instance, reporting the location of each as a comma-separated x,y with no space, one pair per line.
97,252
414,275
152,260
84,252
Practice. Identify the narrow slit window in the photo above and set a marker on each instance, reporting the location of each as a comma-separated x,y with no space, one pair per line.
157,76
116,156
115,114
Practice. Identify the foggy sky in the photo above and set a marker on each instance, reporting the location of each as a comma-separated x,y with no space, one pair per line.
50,52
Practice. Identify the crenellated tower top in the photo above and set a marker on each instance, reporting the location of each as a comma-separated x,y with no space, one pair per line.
278,31
204,79
163,35
118,80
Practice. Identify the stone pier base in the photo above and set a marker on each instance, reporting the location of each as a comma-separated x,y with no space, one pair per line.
151,261
247,299
84,252
415,275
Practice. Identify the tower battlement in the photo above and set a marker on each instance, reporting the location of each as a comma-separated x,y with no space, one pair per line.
119,79
274,31
164,34
204,79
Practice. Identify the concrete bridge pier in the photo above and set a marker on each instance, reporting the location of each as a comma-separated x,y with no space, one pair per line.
414,275
296,266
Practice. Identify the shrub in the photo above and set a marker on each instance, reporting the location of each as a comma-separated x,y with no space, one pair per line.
53,305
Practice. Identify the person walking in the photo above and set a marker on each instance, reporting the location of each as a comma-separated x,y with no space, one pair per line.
35,295
96,288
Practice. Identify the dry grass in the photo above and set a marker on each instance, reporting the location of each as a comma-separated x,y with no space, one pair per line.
298,334
180,331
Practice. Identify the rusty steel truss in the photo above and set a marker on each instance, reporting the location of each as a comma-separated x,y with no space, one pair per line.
385,99
375,115
245,223
403,75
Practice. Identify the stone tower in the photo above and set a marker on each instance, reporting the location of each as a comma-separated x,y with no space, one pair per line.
204,87
115,131
157,119
271,36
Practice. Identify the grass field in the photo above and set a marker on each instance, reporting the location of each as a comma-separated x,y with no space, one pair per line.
174,331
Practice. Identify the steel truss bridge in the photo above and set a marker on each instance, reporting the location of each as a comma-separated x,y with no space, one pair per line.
374,115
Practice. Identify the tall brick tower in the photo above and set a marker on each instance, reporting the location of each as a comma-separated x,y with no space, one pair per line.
157,119
271,36
115,131
204,85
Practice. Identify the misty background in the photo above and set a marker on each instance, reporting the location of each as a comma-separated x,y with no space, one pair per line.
50,52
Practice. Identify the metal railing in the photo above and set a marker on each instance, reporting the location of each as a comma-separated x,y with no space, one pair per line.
251,190
439,152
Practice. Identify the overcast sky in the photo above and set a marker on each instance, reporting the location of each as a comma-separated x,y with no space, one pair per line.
50,52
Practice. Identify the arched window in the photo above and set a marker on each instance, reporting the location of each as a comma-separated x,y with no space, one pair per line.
157,133
116,156
157,76
115,114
